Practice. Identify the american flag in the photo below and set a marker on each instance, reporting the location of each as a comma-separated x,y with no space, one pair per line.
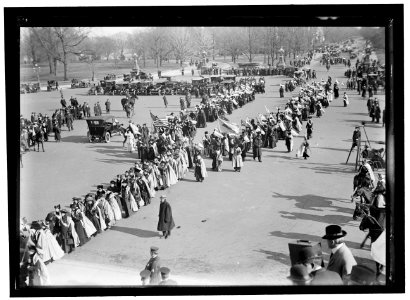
161,122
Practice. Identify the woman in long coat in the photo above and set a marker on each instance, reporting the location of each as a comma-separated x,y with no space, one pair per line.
166,221
237,162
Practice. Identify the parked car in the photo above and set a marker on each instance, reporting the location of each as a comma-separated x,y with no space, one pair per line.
102,128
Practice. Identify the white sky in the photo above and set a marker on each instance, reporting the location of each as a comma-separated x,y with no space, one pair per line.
107,31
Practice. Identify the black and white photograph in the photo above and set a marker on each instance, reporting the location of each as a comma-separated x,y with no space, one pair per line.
251,153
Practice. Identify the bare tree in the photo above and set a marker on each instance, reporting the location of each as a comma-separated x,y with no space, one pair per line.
61,42
159,44
106,45
181,42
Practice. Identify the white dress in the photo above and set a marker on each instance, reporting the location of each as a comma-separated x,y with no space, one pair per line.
116,209
130,142
88,225
49,248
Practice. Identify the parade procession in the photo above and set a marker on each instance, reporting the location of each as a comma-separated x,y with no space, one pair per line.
205,167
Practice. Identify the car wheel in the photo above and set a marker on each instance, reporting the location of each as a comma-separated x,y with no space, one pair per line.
107,137
89,136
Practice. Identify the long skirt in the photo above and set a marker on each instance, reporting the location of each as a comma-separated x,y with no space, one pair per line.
51,249
116,209
88,226
198,173
82,235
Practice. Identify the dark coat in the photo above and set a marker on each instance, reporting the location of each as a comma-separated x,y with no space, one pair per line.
165,222
153,265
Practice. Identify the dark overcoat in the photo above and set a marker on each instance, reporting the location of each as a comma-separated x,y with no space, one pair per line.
165,222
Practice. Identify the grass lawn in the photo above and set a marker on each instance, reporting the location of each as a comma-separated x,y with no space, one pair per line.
102,68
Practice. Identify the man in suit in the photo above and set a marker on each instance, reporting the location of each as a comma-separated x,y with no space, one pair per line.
341,259
166,221
145,133
257,145
165,277
356,136
313,261
154,266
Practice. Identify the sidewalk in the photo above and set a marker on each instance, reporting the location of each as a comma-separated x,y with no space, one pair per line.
75,273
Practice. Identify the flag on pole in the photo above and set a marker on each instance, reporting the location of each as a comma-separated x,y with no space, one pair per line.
228,127
153,117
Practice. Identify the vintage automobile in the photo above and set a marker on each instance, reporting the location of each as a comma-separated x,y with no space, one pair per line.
199,81
29,88
155,89
75,83
102,128
96,90
51,85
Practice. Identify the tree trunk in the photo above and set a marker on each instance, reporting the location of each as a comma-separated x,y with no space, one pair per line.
50,64
55,67
143,58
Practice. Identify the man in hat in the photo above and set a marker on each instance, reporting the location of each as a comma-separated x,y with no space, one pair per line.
312,260
153,266
341,259
145,277
257,145
299,275
165,101
108,106
356,137
145,133
166,221
361,275
165,277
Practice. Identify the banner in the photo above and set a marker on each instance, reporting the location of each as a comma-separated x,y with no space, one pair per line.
153,117
228,127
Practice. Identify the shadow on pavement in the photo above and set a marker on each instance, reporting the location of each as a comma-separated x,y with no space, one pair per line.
137,232
277,256
327,219
313,202
328,169
82,139
335,149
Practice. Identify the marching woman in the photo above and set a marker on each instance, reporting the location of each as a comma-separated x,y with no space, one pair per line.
200,168
219,160
237,162
92,214
130,141
345,99
309,127
67,235
289,140
45,242
114,205
125,199
336,89
77,217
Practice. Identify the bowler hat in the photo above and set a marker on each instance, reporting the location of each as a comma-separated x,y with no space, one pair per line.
164,270
100,186
163,196
145,274
154,249
299,273
334,232
362,275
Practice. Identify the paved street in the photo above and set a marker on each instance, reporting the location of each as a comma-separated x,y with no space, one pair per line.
234,228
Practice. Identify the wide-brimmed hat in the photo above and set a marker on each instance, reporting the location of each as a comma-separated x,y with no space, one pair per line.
334,232
299,273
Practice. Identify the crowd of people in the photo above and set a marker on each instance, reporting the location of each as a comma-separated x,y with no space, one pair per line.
166,155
